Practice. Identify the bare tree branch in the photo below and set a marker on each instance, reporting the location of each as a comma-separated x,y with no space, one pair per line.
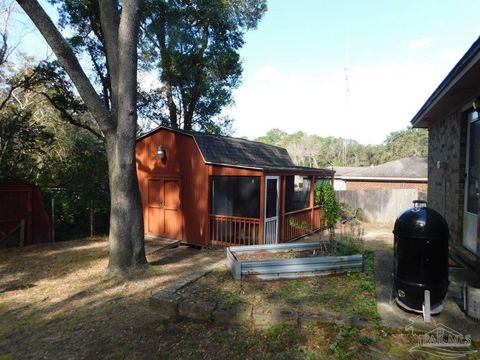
166,64
68,117
6,13
110,19
104,80
69,61
16,85
127,62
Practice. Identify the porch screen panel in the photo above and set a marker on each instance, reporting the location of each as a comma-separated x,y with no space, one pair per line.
235,196
272,197
297,193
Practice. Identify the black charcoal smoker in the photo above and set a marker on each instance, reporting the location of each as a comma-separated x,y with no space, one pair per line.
420,269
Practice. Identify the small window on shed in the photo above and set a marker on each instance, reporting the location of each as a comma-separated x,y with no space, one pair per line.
235,196
297,195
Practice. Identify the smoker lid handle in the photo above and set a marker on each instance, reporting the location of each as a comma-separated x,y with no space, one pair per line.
419,202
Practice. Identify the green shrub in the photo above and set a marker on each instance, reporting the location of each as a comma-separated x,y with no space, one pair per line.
325,197
346,212
350,241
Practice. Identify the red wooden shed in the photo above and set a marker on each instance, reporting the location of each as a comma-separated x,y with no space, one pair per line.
216,190
23,217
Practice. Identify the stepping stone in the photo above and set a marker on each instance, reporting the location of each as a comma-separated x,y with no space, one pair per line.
165,303
196,310
268,315
233,314
315,318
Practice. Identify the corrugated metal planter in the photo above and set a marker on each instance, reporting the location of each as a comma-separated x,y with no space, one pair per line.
471,302
271,269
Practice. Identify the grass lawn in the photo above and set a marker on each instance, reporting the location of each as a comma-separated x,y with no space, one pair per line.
323,294
58,302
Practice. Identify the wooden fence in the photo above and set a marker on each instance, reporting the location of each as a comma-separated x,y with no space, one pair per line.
380,206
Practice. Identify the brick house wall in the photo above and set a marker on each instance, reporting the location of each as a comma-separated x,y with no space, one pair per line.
384,185
447,144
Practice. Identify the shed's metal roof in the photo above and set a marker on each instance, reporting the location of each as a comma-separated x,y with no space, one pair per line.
229,151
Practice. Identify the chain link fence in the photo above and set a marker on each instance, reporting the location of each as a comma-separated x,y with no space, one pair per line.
76,215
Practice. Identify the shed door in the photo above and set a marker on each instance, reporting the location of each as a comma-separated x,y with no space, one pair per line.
271,210
164,208
472,185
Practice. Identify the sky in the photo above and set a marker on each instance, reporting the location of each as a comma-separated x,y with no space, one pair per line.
394,54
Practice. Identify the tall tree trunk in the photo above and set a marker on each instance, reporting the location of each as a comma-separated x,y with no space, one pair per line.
172,107
126,218
188,114
118,124
166,65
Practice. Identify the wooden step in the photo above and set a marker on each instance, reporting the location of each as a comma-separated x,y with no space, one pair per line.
154,244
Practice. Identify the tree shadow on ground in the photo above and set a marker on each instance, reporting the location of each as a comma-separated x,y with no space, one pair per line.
77,310
60,294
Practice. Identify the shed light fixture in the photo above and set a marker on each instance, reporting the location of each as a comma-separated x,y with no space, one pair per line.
161,152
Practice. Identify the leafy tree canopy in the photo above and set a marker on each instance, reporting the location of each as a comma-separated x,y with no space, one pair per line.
39,146
193,47
317,151
196,44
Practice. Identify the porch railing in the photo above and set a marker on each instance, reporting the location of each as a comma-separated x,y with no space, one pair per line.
301,222
233,230
318,218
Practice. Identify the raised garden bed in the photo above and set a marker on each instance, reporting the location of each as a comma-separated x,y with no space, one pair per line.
286,261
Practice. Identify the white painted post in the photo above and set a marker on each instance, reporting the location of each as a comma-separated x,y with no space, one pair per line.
427,317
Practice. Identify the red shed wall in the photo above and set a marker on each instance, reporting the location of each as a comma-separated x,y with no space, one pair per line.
183,163
24,201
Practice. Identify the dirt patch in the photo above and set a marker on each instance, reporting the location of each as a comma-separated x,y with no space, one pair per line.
375,236
290,254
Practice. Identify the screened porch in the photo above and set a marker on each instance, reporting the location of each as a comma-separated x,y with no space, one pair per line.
265,209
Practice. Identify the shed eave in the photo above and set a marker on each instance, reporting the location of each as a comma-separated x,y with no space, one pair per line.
279,171
233,165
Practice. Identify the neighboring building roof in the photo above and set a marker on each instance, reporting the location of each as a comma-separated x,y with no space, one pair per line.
342,170
460,85
409,169
229,151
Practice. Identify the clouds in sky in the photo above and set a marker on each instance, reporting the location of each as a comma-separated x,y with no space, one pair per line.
382,99
149,80
420,43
